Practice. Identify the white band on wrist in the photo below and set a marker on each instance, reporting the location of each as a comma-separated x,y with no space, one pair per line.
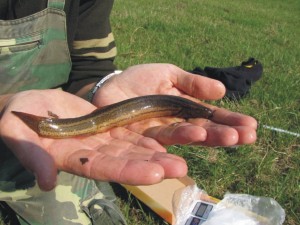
101,82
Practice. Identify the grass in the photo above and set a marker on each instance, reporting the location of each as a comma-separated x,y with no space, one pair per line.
214,33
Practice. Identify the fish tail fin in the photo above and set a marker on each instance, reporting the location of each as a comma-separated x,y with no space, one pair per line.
30,120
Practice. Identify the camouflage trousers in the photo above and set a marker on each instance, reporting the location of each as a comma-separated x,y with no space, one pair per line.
75,200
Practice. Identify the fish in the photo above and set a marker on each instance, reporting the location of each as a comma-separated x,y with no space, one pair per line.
115,115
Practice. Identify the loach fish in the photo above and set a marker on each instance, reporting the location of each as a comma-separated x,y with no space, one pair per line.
115,115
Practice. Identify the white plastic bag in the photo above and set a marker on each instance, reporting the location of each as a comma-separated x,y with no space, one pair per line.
242,209
234,209
184,199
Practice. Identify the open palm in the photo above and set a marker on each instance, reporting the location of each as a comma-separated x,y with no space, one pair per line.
226,128
118,155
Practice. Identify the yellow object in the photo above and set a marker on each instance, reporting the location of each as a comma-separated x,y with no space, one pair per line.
159,197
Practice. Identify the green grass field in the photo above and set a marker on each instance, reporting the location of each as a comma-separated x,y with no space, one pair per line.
220,34
191,33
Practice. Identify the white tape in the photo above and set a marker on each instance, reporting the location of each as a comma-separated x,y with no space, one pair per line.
281,130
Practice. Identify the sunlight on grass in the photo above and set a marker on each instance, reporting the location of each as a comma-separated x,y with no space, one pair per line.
221,34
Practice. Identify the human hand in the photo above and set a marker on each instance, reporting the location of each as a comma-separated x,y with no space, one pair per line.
118,155
226,128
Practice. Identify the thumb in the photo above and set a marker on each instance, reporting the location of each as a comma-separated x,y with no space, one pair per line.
44,168
36,160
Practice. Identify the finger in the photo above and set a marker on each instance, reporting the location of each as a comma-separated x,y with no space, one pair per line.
143,171
179,133
229,118
223,135
246,135
198,86
174,166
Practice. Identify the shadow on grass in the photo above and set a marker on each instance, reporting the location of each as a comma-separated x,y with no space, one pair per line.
7,215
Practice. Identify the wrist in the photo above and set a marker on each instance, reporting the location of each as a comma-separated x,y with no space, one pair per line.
100,83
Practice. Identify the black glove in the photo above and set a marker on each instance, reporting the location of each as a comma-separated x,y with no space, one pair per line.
237,80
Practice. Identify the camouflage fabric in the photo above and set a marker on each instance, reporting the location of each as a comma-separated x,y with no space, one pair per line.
75,200
34,55
33,50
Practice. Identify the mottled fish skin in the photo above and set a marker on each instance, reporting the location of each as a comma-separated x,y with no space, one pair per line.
115,115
